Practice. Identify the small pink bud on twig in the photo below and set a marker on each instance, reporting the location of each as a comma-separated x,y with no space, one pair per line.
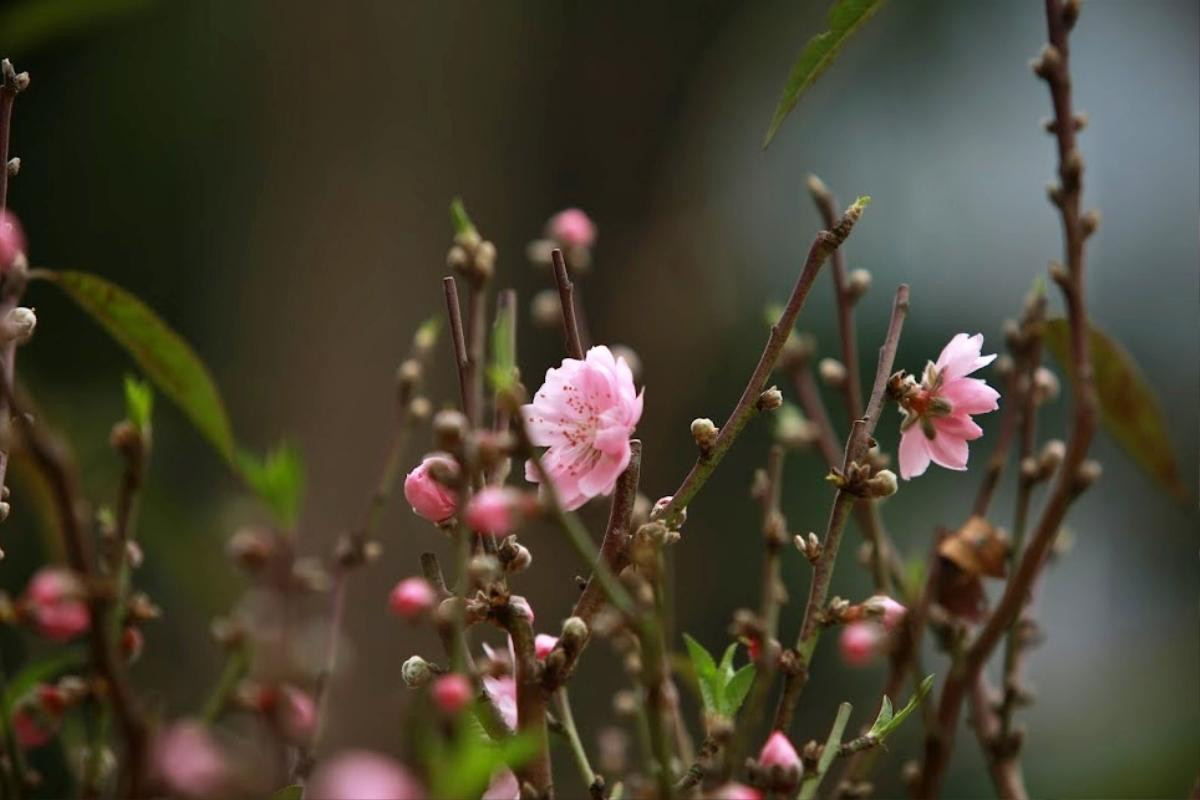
429,498
411,598
55,601
573,228
859,643
452,692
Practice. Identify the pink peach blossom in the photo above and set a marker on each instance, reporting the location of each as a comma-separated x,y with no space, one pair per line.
584,413
55,601
430,499
503,786
937,412
543,643
411,598
503,694
778,752
189,761
12,239
363,775
859,643
452,692
736,791
491,510
573,228
297,714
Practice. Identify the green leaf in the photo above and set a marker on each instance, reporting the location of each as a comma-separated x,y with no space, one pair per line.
162,354
706,673
737,688
25,26
812,781
845,17
726,667
502,371
289,793
887,722
139,402
1128,408
459,218
464,767
39,672
277,478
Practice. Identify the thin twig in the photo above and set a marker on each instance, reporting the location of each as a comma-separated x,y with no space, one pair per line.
1054,68
566,296
824,244
857,444
462,359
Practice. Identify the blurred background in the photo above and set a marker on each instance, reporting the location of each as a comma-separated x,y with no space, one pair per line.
273,178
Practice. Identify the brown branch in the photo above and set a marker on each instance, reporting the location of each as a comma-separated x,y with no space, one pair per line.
1053,66
566,296
857,444
824,244
531,701
462,360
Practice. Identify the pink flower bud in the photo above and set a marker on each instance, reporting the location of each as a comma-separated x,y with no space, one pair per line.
132,642
572,228
189,761
521,606
543,643
411,598
54,598
452,692
491,510
12,238
736,791
859,643
893,612
297,714
363,775
430,499
778,752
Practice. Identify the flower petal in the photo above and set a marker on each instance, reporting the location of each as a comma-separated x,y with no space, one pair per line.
970,396
914,453
961,356
959,426
949,451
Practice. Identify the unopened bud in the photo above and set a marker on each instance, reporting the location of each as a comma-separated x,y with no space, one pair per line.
1070,13
417,672
132,643
449,428
625,703
17,325
484,569
770,400
810,546
419,408
1051,456
251,548
514,557
858,284
1090,221
140,608
1003,365
574,631
832,372
882,484
1045,385
546,309
1045,64
1087,474
408,374
14,167
310,575
485,260
704,432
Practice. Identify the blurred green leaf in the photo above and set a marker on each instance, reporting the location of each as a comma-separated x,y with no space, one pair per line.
736,689
39,672
1128,408
162,354
706,672
887,721
277,478
463,765
812,780
459,217
25,26
139,402
289,793
502,371
845,17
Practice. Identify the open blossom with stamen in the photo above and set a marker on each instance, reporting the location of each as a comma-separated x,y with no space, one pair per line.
937,412
584,413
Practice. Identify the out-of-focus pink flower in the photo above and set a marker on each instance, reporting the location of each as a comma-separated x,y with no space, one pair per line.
584,413
778,752
503,694
189,761
573,228
893,611
363,775
411,598
520,605
452,692
937,412
491,510
12,239
736,791
859,643
503,786
54,598
32,727
543,643
430,499
297,714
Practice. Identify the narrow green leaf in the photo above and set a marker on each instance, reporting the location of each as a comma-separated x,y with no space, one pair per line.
845,17
706,672
725,668
459,217
162,354
885,717
737,688
289,793
887,722
139,402
277,478
502,371
1129,409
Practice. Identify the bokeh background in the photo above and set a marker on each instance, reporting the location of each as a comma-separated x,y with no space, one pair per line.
273,177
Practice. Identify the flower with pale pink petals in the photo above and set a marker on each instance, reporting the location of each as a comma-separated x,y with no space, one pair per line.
189,761
297,714
543,643
584,413
491,510
572,228
12,239
859,643
411,598
937,412
503,786
363,775
55,600
502,692
430,499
